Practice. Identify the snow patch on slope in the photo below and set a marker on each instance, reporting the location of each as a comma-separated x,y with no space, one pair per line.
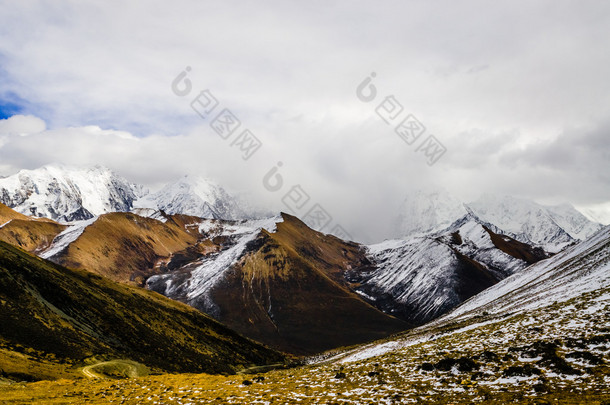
211,269
65,238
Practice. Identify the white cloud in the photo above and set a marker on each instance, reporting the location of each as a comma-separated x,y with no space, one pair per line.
502,86
21,125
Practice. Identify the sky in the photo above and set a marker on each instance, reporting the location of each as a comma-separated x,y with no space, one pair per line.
355,104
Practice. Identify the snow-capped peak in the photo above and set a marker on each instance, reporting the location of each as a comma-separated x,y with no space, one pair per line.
551,227
426,211
67,193
193,195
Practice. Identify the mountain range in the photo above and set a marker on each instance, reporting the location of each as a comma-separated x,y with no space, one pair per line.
255,275
422,277
501,298
68,194
539,336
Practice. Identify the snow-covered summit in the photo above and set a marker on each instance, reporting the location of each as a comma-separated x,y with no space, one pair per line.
68,194
426,211
196,196
551,227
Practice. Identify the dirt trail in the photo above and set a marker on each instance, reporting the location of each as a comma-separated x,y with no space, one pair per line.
89,371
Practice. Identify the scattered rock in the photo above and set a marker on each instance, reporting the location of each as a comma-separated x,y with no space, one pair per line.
525,370
463,364
587,356
488,355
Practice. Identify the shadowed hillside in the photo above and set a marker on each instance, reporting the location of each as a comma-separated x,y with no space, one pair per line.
54,318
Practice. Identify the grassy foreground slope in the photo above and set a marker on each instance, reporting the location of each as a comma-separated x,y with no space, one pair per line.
53,319
564,361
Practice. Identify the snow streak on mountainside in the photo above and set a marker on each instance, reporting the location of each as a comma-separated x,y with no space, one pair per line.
194,196
206,273
423,277
64,239
551,227
68,194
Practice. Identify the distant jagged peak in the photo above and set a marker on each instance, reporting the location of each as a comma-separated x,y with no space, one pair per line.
68,193
553,227
428,210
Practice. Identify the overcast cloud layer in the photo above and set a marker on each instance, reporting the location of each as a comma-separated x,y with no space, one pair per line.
517,92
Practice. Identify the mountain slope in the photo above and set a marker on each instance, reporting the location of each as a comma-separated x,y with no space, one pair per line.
122,246
282,285
556,351
7,214
580,274
539,336
578,270
421,278
53,313
68,194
